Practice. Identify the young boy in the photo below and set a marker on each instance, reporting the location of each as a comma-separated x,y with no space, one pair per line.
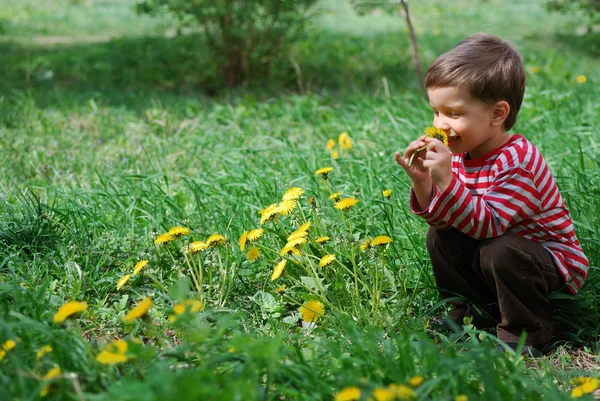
500,235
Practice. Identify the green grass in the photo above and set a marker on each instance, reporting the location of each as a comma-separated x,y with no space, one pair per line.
122,142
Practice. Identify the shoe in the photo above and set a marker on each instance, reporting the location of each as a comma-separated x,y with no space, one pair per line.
446,324
531,351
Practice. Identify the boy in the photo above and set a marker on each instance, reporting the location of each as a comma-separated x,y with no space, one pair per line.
500,235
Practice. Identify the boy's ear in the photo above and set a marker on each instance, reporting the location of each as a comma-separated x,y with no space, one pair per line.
500,112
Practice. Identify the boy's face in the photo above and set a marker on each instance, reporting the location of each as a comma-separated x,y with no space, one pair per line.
467,121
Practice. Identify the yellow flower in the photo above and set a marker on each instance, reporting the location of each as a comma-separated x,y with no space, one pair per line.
43,351
345,141
381,240
534,69
179,231
114,353
281,288
243,239
335,196
68,309
304,227
50,375
402,391
278,270
585,385
215,239
268,213
139,310
326,260
416,381
253,254
433,132
292,194
197,246
436,32
322,240
311,310
348,394
581,79
163,239
139,266
324,171
461,397
123,280
289,249
9,345
334,155
330,144
365,244
383,394
297,234
346,203
387,193
189,305
255,234
286,207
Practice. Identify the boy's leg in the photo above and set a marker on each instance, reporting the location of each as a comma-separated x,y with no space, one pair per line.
521,273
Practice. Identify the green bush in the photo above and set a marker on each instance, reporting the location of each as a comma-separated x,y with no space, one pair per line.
589,9
244,36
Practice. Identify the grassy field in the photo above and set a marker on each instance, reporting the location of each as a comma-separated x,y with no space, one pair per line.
112,132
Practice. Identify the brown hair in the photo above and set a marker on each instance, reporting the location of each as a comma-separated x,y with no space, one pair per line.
491,68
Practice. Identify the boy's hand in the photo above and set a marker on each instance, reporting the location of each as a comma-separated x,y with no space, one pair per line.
418,173
438,161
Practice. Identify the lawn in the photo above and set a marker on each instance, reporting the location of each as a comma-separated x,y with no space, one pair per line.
113,133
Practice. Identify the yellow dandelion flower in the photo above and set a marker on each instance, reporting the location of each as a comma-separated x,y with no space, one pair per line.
281,288
387,193
215,239
330,144
255,234
179,231
335,196
585,385
334,155
292,194
139,266
286,207
189,305
345,141
365,244
324,171
43,351
311,200
269,213
581,79
416,381
253,254
243,240
289,249
402,391
297,234
163,239
351,393
197,246
304,227
9,345
383,394
123,280
577,392
346,203
322,240
113,353
381,240
326,260
50,375
461,397
139,310
433,132
278,270
68,309
534,69
312,310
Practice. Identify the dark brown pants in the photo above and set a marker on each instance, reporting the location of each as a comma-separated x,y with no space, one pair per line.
507,277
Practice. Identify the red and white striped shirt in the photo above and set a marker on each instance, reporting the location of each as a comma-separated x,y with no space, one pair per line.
509,190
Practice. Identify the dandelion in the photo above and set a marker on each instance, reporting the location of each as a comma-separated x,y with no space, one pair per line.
197,246
330,144
311,200
345,141
255,234
189,305
326,260
291,246
324,171
334,154
346,203
297,234
416,381
278,270
383,394
402,391
139,266
335,196
114,353
50,375
281,288
68,309
43,351
139,310
243,240
163,239
461,397
322,240
292,194
286,207
304,227
179,231
351,393
430,132
365,244
387,193
312,310
253,254
581,79
268,213
381,240
585,385
534,69
6,346
123,280
215,239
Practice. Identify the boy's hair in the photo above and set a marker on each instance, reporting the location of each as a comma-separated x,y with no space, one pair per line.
491,68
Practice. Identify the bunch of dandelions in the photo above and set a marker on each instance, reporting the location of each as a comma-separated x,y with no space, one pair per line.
344,141
430,132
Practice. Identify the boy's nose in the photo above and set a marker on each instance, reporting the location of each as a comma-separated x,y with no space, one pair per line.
441,123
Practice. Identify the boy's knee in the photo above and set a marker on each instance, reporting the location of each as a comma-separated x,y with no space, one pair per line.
497,255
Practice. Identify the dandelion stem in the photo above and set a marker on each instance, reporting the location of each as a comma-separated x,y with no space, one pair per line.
414,153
